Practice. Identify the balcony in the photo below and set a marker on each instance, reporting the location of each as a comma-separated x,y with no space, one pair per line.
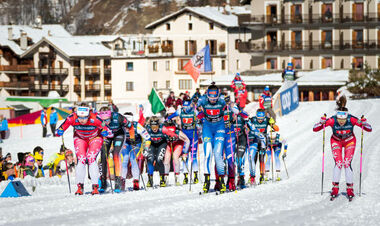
15,68
309,19
107,86
167,48
16,85
93,87
153,49
293,46
48,71
92,71
46,87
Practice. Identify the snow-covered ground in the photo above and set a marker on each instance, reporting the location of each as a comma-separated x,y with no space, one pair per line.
293,201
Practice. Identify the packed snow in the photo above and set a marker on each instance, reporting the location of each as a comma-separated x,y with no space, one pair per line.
293,201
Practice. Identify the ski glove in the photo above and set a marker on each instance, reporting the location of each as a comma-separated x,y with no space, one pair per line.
284,155
104,133
184,157
60,132
146,152
323,120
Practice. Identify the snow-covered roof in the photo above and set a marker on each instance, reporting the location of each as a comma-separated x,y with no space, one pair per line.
78,46
322,77
212,13
36,34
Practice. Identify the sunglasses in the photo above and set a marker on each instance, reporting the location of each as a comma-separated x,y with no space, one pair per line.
39,160
83,118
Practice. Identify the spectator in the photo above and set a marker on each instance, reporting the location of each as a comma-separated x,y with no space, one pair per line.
179,101
170,101
73,110
39,171
3,128
186,97
161,95
53,120
8,172
56,161
8,157
44,122
197,94
112,106
265,102
1,164
289,74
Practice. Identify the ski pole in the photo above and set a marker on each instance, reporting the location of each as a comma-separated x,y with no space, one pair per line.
108,166
192,151
286,170
361,160
272,153
323,155
67,169
142,179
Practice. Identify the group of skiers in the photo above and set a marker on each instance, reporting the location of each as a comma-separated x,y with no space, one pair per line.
168,143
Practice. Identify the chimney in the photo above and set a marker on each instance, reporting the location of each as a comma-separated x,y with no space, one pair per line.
10,33
39,22
23,41
49,32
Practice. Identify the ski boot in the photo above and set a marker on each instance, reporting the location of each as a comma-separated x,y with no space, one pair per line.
217,184
176,180
117,185
222,185
102,184
241,181
262,179
95,188
350,192
80,189
231,184
196,181
206,185
335,190
150,181
162,181
122,185
185,179
252,180
278,178
136,185
266,175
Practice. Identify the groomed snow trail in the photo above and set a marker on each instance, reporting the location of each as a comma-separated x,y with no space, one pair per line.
293,201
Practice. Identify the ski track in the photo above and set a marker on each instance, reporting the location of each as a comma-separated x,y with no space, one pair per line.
293,201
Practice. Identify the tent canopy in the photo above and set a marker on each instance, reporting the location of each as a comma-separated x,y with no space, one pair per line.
44,101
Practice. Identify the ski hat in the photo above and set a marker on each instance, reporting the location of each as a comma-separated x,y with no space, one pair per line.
342,114
129,116
227,98
83,111
29,160
266,88
186,103
290,64
154,122
260,114
37,156
104,114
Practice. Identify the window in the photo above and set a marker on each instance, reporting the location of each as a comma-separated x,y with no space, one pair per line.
223,65
155,84
297,40
154,65
167,84
327,39
357,63
237,42
181,64
129,86
185,84
189,16
326,62
168,27
211,26
358,11
190,47
297,62
272,63
237,64
357,38
327,15
213,46
190,26
129,66
296,13
167,65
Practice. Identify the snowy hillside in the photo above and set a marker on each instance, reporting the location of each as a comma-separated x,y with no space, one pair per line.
293,201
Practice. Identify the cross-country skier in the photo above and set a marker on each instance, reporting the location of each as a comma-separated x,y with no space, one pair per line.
135,136
211,106
256,141
265,102
189,127
342,124
177,145
261,123
275,141
241,140
117,123
88,132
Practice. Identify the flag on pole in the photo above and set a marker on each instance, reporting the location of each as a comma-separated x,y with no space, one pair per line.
200,62
156,102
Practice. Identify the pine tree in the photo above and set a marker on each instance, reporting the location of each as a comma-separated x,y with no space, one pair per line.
365,83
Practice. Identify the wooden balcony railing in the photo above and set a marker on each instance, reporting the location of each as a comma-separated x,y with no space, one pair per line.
15,67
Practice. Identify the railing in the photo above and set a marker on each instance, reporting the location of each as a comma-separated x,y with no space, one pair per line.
308,46
88,71
167,48
153,49
15,67
107,70
15,84
48,71
50,87
309,18
92,70
93,87
107,86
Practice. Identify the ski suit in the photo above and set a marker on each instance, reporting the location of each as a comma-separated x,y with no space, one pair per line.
174,149
343,137
230,140
213,132
276,144
133,142
117,125
156,149
189,128
256,142
87,143
289,74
